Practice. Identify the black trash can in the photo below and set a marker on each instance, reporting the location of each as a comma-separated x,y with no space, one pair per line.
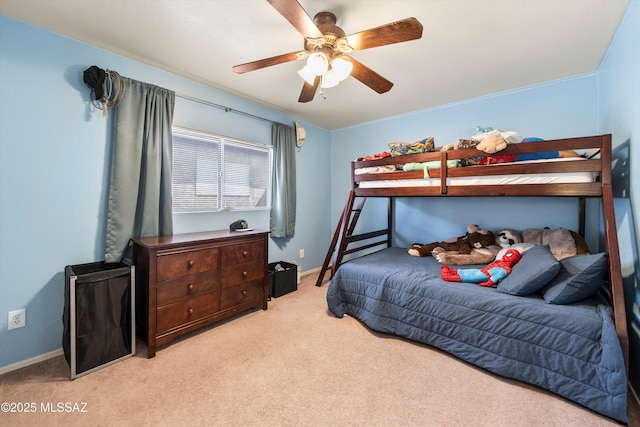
283,278
98,318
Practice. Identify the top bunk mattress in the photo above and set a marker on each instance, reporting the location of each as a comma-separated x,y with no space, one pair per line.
530,178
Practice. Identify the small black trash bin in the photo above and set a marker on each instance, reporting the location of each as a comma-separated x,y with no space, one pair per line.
283,278
99,309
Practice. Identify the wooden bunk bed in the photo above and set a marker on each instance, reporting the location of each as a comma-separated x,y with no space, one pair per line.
463,182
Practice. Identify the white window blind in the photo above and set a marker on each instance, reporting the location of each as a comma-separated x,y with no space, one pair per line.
211,172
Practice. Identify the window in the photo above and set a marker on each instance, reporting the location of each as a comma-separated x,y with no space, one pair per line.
211,172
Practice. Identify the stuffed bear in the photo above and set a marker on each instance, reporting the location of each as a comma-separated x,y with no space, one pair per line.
495,140
488,139
475,238
492,144
487,276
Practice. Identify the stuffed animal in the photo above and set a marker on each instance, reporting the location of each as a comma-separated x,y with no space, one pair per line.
492,144
498,140
520,247
490,141
507,237
494,140
563,243
476,237
487,276
476,256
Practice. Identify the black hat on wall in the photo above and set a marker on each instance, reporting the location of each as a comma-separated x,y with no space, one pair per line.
94,79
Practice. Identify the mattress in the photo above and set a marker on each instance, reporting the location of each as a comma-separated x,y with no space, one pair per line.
538,178
571,350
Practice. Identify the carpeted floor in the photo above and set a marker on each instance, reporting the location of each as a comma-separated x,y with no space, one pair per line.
292,365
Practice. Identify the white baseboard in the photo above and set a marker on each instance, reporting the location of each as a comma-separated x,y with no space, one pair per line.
32,361
312,271
59,352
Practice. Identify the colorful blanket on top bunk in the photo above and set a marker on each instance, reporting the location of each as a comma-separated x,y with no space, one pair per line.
489,140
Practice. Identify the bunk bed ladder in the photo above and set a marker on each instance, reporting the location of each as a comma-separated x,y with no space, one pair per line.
338,234
343,236
350,217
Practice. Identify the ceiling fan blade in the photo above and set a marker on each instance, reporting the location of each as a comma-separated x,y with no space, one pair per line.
296,15
395,32
309,91
267,62
369,77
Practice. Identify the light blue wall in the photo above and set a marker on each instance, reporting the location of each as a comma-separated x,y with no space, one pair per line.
54,157
54,162
619,105
555,110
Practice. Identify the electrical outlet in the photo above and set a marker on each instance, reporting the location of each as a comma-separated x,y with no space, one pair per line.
17,319
301,253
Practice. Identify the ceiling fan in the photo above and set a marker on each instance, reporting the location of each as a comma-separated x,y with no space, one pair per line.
325,47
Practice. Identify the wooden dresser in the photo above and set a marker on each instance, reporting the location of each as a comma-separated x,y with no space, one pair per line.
187,281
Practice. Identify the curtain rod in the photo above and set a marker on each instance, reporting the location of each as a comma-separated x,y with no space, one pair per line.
225,108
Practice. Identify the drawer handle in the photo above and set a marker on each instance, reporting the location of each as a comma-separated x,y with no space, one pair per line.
244,274
245,253
244,293
190,311
190,263
190,287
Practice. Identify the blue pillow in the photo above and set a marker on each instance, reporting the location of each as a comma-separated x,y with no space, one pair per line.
535,156
534,270
580,277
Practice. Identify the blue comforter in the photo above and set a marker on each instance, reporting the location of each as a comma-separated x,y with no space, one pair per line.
571,350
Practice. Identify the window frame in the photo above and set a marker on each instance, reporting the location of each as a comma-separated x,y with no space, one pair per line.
202,136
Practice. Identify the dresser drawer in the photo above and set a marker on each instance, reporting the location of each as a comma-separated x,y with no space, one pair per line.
236,295
242,273
182,312
242,252
174,290
183,263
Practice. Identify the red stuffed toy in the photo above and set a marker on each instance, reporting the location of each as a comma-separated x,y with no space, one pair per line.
488,276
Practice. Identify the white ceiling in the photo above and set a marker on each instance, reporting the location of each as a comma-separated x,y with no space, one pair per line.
469,48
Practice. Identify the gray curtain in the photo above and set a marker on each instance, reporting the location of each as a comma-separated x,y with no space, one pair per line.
140,188
283,199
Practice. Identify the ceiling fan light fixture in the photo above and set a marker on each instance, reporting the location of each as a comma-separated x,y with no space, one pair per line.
318,63
329,79
342,68
308,74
